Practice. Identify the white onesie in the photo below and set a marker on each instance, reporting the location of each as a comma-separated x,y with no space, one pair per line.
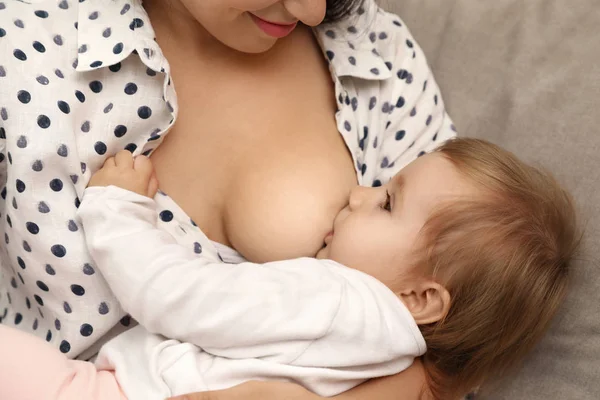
207,325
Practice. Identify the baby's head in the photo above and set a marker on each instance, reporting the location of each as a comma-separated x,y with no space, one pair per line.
477,246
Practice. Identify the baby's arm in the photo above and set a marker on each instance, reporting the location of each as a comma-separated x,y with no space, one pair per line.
341,324
176,293
181,295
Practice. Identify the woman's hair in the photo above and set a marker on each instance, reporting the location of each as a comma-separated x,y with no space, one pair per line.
504,258
340,9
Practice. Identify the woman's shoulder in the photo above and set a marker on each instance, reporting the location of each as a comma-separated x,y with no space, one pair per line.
81,35
90,67
368,44
389,103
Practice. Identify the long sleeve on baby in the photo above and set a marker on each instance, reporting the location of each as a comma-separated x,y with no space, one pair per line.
293,311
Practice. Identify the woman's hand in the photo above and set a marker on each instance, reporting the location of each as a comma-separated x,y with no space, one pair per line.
255,390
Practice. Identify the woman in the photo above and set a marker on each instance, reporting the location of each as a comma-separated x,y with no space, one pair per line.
271,116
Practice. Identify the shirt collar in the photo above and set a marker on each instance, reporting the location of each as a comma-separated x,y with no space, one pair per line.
108,31
358,45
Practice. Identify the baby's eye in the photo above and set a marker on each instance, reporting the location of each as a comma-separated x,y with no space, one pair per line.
387,205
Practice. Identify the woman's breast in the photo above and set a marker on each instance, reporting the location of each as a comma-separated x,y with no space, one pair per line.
256,159
283,203
268,196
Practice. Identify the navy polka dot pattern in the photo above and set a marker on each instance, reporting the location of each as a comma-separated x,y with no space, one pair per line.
96,83
394,112
86,72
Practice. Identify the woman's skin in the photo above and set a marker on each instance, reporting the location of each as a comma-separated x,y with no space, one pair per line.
408,385
243,160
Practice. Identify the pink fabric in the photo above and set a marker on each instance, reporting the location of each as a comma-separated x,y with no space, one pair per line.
31,369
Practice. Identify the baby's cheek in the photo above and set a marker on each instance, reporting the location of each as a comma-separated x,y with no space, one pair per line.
373,256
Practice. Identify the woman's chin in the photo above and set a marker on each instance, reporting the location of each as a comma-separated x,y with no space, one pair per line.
254,42
257,48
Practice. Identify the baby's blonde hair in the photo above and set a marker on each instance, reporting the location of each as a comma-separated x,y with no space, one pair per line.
504,258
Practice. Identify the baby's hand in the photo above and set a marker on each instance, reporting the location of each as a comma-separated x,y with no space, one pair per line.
133,174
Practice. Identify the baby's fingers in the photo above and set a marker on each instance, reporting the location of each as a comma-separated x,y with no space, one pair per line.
124,159
152,186
143,165
109,162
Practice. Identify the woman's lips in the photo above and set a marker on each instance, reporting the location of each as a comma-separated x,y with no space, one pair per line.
273,29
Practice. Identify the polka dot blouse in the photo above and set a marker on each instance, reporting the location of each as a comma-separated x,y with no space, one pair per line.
83,79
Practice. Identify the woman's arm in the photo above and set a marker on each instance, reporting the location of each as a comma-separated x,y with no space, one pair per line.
410,384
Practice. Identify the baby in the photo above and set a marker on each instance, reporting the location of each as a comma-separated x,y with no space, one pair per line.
462,258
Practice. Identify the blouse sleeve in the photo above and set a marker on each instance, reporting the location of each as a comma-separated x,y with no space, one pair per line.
411,116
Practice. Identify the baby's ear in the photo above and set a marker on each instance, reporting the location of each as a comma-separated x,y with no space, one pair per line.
427,301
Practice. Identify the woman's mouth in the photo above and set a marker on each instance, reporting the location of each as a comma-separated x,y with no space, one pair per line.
273,29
